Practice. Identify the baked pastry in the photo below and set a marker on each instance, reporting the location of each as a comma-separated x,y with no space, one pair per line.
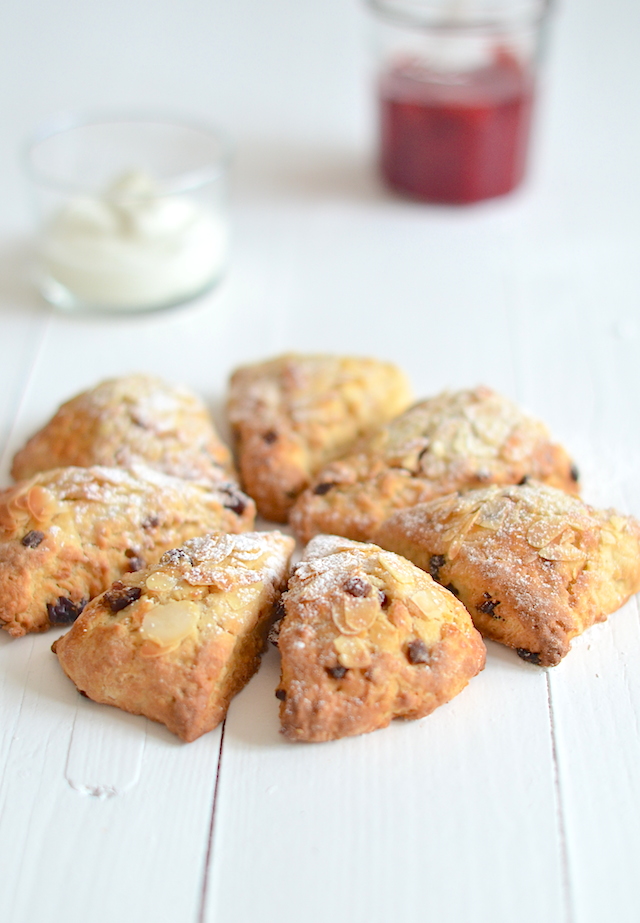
136,419
177,640
367,637
293,414
67,534
534,566
455,441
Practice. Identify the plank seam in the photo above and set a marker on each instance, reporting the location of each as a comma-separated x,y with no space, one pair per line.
16,723
209,852
562,830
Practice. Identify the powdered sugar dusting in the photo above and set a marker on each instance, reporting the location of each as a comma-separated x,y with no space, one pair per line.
225,561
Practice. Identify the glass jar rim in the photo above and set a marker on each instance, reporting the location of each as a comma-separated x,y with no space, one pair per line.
64,122
458,15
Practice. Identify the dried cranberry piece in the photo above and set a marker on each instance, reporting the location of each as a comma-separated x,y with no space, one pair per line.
356,586
488,606
32,539
175,556
417,652
234,500
65,611
281,694
323,488
119,597
337,672
436,561
529,656
270,436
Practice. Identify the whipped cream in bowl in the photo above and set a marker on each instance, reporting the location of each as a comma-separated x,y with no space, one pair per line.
133,213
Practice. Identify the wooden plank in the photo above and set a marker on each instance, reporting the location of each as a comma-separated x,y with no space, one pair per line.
77,855
576,326
449,818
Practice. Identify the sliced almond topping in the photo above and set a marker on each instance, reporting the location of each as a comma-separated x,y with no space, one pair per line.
253,553
242,597
355,614
37,502
353,653
425,603
428,631
544,531
457,535
400,616
562,552
168,625
384,636
160,583
216,550
492,513
397,568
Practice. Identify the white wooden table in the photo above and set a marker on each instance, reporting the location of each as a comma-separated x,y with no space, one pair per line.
520,800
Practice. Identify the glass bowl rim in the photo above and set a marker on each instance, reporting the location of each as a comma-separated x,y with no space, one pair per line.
64,122
425,14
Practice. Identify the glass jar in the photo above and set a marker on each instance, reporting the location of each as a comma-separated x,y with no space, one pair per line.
131,211
456,84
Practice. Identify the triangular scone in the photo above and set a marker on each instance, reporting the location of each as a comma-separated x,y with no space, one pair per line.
67,534
293,414
367,637
136,419
177,641
455,441
534,566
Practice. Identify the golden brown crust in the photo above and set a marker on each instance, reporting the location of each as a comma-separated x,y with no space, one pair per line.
66,534
455,441
367,637
293,414
175,642
534,566
136,419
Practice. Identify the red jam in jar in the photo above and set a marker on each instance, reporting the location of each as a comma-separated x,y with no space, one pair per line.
455,137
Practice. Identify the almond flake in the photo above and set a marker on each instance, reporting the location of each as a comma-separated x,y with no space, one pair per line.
160,583
561,552
399,615
457,534
242,597
397,568
355,614
492,513
353,653
384,636
168,625
425,603
544,531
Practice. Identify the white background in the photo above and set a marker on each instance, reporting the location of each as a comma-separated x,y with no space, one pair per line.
520,800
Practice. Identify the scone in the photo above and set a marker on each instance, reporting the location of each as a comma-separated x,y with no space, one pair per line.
534,566
293,414
455,441
176,641
136,419
367,637
67,534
